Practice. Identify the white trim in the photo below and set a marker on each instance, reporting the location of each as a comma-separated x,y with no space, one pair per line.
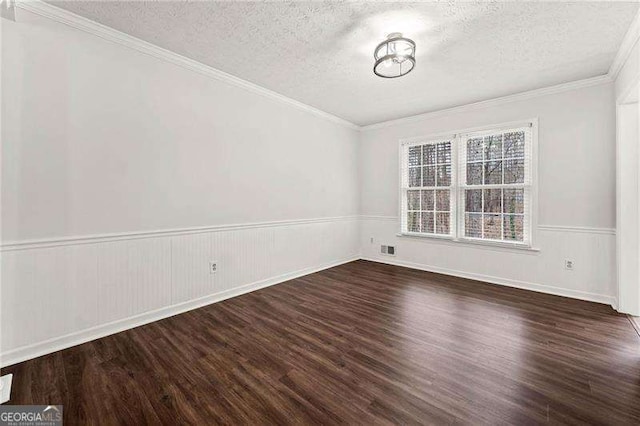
577,229
456,189
635,322
107,33
99,238
540,288
383,218
559,88
626,47
49,346
473,243
548,228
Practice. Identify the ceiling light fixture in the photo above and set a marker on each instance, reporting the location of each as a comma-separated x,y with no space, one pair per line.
395,57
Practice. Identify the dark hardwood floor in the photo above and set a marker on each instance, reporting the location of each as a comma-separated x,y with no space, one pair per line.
362,343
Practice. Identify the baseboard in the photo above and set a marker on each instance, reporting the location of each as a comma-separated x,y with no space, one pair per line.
635,322
540,288
53,345
59,343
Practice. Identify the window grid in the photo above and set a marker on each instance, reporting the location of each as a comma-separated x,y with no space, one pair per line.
429,220
518,142
501,217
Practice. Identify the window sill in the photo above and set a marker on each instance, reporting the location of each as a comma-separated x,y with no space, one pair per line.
473,243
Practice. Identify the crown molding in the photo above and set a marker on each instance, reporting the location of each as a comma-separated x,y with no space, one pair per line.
71,19
559,88
628,42
107,33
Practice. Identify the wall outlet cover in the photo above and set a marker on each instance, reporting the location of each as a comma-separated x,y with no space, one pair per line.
213,267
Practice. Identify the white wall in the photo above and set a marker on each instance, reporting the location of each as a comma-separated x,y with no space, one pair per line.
627,88
576,203
106,148
103,139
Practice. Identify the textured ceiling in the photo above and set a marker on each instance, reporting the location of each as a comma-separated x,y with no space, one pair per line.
320,53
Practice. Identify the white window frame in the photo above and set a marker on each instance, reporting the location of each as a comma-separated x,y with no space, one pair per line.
457,188
452,186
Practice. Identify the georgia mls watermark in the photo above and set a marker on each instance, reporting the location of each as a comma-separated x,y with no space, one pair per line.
30,415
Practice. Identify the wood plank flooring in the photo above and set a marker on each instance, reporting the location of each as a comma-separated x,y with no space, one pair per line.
362,343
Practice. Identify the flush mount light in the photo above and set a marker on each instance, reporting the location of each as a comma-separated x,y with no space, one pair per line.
395,57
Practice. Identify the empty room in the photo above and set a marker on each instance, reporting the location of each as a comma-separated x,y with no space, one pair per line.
319,212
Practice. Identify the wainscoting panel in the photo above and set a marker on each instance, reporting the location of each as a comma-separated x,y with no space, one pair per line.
56,294
591,249
134,276
35,293
191,280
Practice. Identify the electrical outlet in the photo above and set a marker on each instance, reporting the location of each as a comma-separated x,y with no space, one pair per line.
568,264
371,240
213,267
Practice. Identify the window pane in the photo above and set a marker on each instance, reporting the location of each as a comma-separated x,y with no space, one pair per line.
427,199
514,201
415,176
474,149
514,145
442,200
492,226
442,223
429,154
473,200
493,201
415,155
474,174
429,176
514,171
413,200
513,227
444,175
493,147
427,222
493,172
444,152
489,213
413,224
473,225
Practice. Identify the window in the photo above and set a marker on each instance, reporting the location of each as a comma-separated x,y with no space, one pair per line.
485,195
427,188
